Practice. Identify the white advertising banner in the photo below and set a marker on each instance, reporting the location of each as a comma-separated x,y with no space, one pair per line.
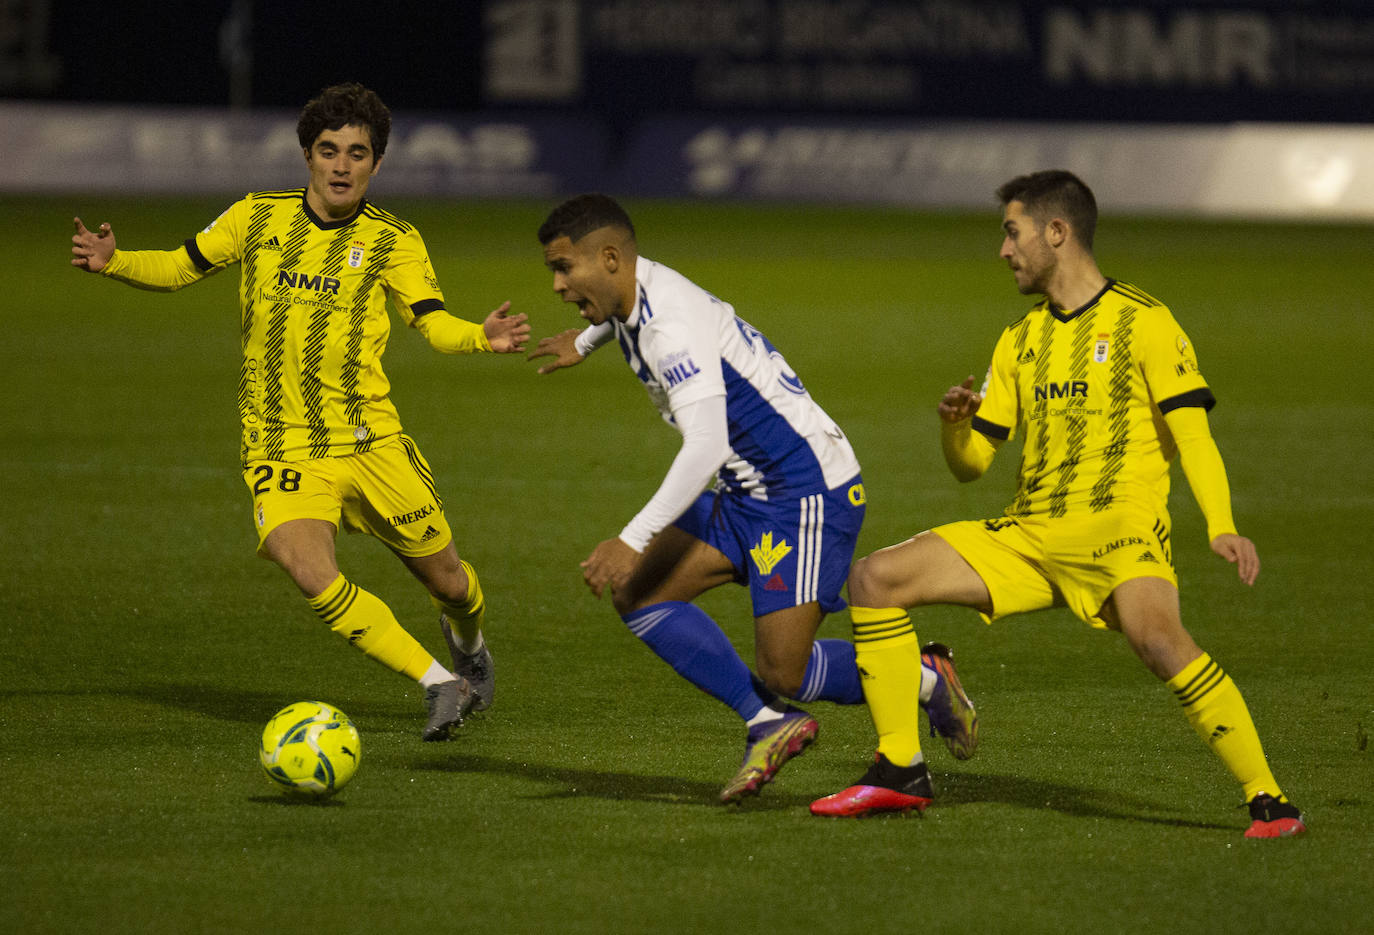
1313,171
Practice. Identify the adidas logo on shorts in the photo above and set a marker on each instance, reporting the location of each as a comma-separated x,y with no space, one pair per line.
430,533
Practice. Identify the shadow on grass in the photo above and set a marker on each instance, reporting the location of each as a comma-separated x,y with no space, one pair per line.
968,788
576,782
290,802
246,706
952,791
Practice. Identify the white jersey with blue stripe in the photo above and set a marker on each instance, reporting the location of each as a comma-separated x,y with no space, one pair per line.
685,344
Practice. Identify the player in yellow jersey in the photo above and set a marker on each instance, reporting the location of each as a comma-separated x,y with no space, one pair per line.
1104,388
322,444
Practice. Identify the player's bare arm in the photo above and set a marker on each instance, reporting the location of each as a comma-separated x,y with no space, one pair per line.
506,332
610,565
1241,552
91,250
561,347
960,402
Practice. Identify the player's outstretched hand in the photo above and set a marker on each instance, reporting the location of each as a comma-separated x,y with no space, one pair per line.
960,402
1239,551
91,250
507,333
561,347
609,565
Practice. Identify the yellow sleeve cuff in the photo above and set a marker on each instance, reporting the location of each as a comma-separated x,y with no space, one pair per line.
155,270
452,335
968,453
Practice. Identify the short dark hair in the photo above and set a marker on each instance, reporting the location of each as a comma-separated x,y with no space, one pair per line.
1055,193
343,105
577,217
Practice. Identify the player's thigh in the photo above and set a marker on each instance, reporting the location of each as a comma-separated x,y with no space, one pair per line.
1146,611
284,491
676,566
390,495
1091,557
304,549
924,569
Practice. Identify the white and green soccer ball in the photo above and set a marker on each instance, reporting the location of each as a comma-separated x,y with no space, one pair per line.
310,749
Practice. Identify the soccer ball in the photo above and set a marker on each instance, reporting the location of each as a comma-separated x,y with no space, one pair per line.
310,749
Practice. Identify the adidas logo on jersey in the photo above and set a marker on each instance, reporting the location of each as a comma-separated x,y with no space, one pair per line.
272,244
1027,356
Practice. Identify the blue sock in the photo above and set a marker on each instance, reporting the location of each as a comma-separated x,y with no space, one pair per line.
683,636
832,674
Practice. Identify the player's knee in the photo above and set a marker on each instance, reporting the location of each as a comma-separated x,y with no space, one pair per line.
865,584
311,575
449,588
782,678
624,602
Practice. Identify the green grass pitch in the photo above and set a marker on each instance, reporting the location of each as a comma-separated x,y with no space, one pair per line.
145,646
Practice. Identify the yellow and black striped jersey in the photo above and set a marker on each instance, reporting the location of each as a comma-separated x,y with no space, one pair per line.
1088,389
313,295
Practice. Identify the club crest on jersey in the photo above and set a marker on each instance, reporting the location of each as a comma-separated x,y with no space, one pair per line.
1101,348
355,253
766,555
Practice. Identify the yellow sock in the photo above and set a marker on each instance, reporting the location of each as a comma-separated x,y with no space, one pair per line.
367,623
1218,713
889,661
468,616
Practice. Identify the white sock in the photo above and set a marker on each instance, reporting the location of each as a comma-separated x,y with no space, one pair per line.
766,714
435,674
928,679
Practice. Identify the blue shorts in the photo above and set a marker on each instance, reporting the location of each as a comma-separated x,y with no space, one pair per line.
789,552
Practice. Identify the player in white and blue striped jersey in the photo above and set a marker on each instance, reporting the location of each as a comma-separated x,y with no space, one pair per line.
783,498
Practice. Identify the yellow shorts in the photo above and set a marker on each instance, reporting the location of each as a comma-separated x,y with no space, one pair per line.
387,492
1075,561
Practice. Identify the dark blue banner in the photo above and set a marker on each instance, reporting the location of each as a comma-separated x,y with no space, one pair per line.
625,60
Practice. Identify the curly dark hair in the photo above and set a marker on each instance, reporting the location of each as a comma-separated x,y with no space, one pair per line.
343,105
577,217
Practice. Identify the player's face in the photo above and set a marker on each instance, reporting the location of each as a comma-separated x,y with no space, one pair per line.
341,167
1026,251
584,275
